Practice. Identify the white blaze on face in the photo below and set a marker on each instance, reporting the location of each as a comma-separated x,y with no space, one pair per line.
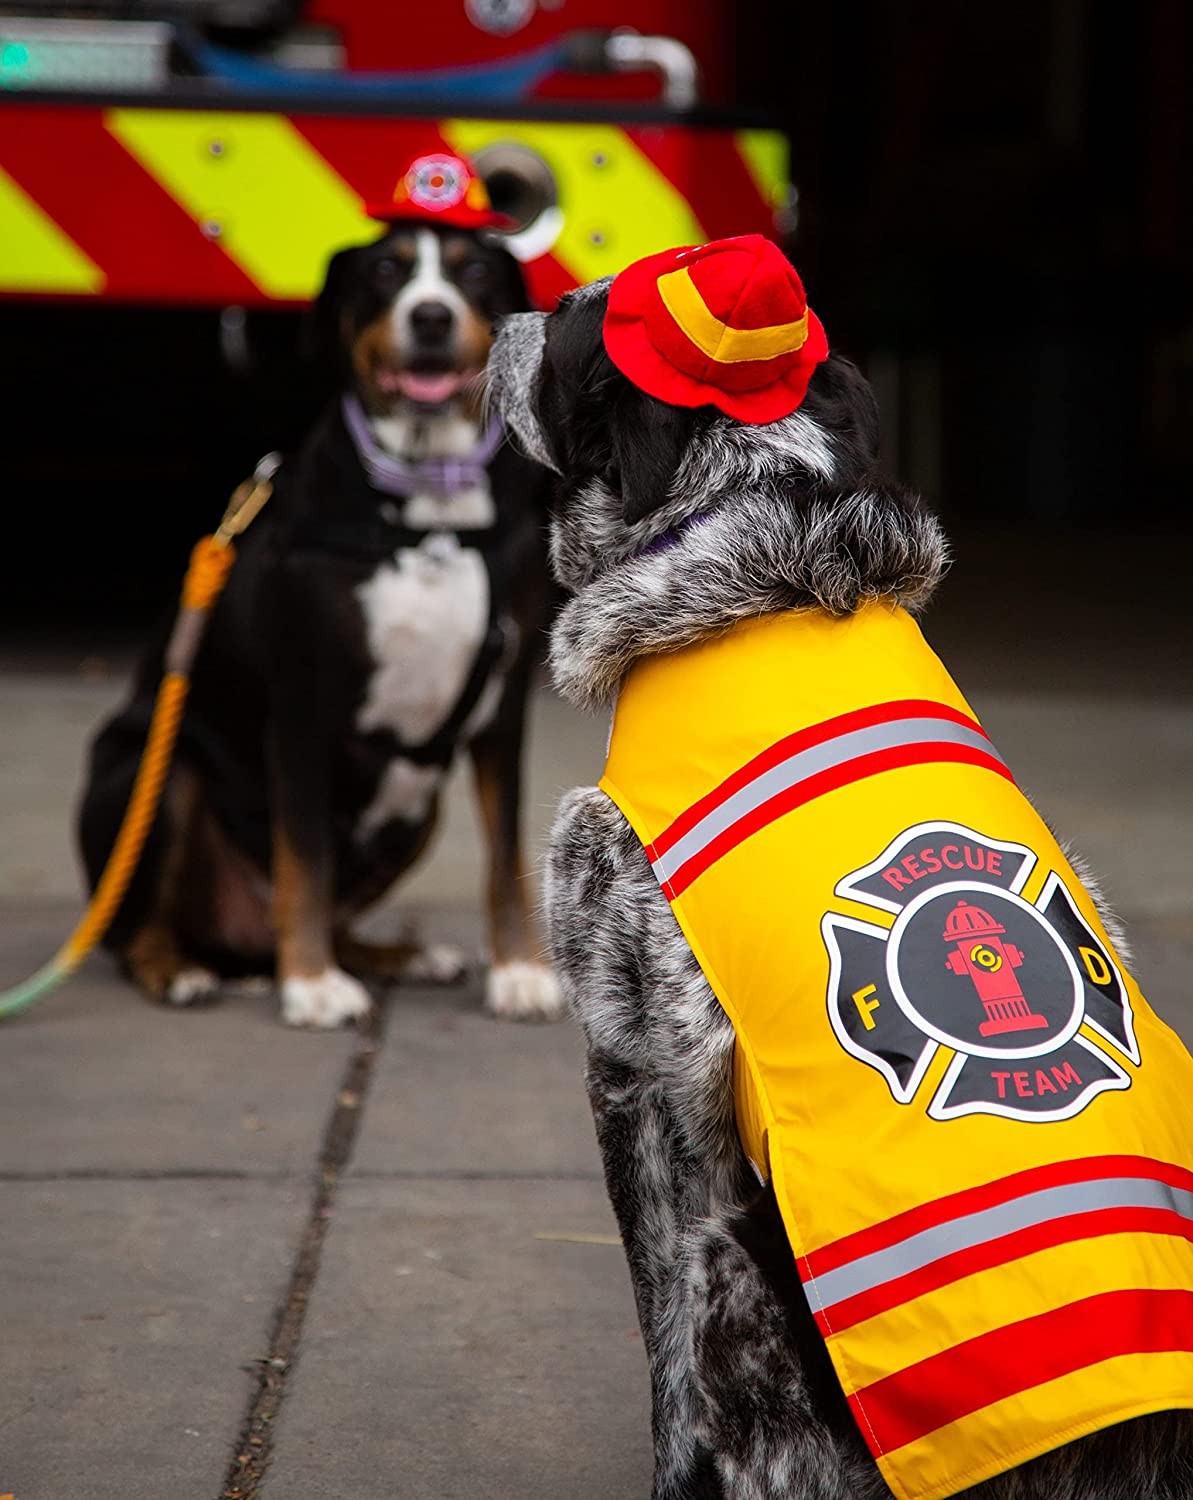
428,284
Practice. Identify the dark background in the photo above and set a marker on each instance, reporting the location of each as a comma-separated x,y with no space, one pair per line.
997,213
995,218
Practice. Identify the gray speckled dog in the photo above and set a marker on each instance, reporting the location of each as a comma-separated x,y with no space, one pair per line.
745,1403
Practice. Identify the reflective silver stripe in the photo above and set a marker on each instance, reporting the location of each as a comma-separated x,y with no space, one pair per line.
920,1250
811,762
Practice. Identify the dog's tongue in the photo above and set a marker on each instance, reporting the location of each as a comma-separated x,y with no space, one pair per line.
431,390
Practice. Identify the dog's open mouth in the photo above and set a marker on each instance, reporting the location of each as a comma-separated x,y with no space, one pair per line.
425,387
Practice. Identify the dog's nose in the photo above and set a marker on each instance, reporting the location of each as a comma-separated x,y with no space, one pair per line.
431,321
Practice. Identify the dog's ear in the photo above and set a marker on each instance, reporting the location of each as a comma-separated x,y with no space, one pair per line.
841,401
649,440
323,341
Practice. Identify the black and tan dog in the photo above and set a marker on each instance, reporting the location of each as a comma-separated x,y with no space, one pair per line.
383,614
679,531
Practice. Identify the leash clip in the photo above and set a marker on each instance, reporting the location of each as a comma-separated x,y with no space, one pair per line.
248,500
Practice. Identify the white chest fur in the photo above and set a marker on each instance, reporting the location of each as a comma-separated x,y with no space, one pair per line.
426,614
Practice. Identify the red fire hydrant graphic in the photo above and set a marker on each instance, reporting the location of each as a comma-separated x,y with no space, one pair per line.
989,962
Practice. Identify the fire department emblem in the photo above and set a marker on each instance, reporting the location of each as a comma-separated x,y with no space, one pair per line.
1022,996
435,182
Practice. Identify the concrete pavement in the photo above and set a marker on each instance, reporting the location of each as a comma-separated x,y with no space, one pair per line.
177,1189
409,1224
160,1177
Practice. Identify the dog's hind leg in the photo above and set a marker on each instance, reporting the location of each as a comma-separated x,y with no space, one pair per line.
154,956
520,983
144,931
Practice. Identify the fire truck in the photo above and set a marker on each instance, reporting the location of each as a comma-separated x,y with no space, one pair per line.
174,175
215,154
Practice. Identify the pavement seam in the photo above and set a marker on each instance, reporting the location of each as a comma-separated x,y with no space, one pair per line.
254,1446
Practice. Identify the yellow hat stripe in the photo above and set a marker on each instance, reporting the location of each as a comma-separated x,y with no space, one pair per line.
728,346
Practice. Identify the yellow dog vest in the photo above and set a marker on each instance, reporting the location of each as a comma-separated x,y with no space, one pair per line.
976,1127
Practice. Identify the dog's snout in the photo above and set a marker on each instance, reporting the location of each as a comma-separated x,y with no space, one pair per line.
431,321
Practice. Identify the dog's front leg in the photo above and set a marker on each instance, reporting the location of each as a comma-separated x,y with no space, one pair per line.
650,1190
735,1408
314,990
635,990
520,983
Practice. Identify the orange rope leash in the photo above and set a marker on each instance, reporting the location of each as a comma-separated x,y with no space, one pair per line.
211,562
142,808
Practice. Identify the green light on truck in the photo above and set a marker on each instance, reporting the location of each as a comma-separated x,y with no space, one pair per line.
15,64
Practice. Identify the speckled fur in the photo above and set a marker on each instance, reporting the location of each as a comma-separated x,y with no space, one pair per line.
744,1402
754,554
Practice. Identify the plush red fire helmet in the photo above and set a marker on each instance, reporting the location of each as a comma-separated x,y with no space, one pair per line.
440,188
725,324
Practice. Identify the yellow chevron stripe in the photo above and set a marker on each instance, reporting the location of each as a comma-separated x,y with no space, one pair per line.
765,154
617,205
36,256
279,206
726,345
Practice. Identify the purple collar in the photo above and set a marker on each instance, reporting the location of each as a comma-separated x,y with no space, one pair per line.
673,535
396,476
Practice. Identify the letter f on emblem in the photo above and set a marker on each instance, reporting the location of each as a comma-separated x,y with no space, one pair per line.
865,1006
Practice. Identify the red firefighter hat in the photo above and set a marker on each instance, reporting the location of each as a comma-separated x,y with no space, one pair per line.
725,324
440,188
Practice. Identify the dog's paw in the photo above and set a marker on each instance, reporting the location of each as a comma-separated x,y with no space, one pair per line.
192,986
439,963
523,991
326,1000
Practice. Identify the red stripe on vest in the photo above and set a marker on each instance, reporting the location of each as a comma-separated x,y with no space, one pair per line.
811,787
998,1252
988,1195
948,1386
804,739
